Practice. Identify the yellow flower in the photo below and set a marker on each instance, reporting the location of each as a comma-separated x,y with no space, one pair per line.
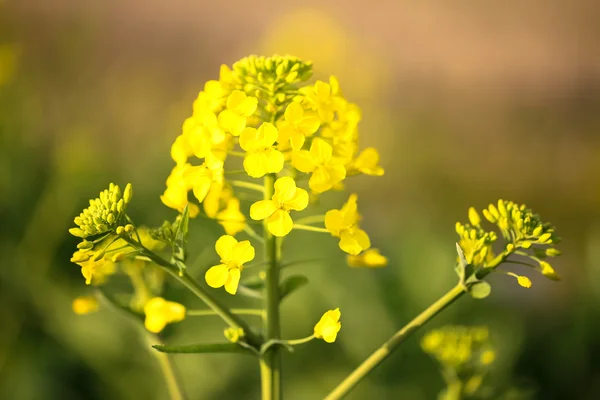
202,178
367,163
181,150
176,193
85,305
329,326
325,171
324,98
211,98
203,133
487,357
239,107
297,126
548,271
523,281
370,259
233,256
231,218
98,270
276,211
261,158
344,224
160,312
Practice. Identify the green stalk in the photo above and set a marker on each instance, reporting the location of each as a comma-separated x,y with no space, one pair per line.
270,362
167,369
399,337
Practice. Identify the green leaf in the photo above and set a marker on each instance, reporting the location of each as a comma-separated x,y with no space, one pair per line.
290,284
480,290
204,348
181,236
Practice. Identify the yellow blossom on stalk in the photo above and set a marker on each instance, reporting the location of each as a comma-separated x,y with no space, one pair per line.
176,193
203,178
367,163
344,224
181,149
276,211
233,255
231,218
326,172
239,107
212,97
202,133
323,97
96,270
160,312
370,259
328,326
297,126
85,305
262,157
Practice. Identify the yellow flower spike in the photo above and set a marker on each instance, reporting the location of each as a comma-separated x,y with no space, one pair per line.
367,163
326,172
523,281
297,126
328,326
202,178
239,107
370,259
85,305
276,211
344,224
233,255
160,312
231,218
262,157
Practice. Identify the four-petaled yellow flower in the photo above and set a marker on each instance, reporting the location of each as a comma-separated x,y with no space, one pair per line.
326,172
239,107
370,259
329,326
176,193
297,126
324,98
204,178
231,218
367,162
261,158
344,224
277,210
233,256
160,312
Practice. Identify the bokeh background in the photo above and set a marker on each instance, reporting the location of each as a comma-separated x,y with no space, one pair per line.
468,102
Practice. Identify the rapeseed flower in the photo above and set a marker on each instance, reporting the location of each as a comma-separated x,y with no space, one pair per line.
297,126
233,255
326,171
239,107
261,155
160,312
344,224
328,326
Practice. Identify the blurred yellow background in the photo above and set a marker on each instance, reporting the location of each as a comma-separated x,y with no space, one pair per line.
467,102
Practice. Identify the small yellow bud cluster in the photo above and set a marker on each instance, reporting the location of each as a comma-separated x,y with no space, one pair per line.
464,350
475,242
104,214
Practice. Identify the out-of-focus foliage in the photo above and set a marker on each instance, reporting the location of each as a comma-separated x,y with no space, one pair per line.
463,107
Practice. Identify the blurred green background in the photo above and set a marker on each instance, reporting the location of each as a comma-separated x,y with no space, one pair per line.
467,102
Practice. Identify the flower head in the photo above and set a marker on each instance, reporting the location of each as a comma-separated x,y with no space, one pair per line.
328,326
297,126
344,224
276,211
326,171
370,259
239,107
160,312
367,163
233,256
262,157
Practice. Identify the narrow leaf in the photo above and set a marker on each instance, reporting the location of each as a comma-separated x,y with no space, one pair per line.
181,236
291,284
204,348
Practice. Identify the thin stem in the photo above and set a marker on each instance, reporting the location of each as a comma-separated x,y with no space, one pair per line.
270,361
311,220
237,311
398,338
305,261
252,233
248,185
167,369
294,342
310,228
237,153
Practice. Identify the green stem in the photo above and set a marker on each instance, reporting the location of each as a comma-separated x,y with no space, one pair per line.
294,342
310,228
167,369
270,361
311,220
237,311
248,185
231,319
398,338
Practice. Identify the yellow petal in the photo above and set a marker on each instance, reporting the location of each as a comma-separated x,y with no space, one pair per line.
262,209
201,187
303,161
285,189
247,139
320,151
309,125
299,202
242,252
155,324
217,276
334,222
224,246
297,140
294,112
285,132
320,181
268,134
273,160
181,150
175,197
280,223
235,99
355,241
370,259
255,165
234,280
232,122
